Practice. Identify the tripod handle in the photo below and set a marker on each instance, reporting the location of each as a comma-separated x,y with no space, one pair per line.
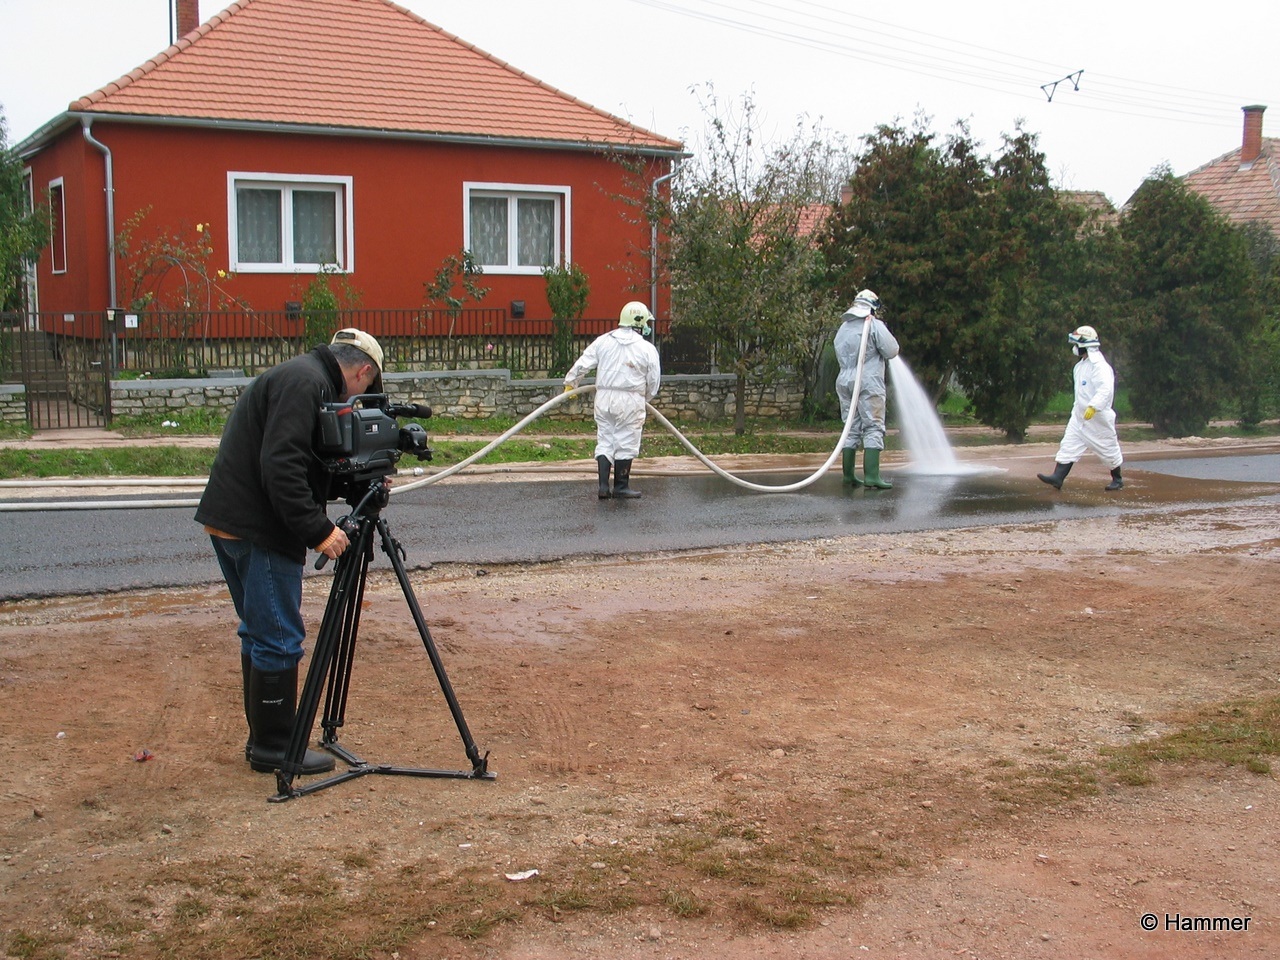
347,526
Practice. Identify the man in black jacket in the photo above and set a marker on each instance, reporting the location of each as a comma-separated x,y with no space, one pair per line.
264,507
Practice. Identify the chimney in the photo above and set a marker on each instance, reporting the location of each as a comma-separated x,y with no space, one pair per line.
1252,145
188,16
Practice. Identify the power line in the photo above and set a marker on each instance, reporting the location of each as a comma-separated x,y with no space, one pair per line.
839,32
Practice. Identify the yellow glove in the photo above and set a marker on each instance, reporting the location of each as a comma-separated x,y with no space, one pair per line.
1089,412
568,387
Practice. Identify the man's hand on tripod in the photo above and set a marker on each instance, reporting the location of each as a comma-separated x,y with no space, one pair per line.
335,543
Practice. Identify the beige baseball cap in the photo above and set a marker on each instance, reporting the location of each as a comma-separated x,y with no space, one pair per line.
362,342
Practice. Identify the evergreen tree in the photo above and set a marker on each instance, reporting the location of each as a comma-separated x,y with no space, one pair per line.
568,289
1260,386
1010,358
1193,305
914,231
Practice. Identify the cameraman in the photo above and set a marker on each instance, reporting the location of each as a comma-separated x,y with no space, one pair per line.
263,507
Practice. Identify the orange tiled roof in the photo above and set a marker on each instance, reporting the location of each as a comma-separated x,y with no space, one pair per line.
813,217
358,64
1243,195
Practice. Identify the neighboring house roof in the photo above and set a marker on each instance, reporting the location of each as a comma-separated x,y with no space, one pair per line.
354,65
1095,203
813,217
1244,192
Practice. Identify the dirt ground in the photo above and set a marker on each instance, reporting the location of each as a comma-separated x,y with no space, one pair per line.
884,746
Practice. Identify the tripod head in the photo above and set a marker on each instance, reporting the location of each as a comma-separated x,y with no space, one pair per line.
366,504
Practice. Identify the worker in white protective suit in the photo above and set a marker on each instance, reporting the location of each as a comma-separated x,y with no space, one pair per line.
867,430
628,375
1093,422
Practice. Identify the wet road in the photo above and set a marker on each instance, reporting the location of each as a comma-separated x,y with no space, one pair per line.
52,553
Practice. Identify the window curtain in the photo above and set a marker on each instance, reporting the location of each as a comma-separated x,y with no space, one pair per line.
315,226
536,224
489,231
258,225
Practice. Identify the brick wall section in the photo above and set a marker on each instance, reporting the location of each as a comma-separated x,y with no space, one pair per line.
474,395
188,12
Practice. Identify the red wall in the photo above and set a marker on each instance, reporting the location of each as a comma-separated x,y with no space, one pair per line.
408,211
85,279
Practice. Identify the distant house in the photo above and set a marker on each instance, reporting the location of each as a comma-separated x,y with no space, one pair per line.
1245,183
1098,208
346,135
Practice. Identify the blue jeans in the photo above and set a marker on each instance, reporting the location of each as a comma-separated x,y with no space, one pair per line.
266,589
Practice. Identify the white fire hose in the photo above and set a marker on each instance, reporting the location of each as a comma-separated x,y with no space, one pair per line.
443,474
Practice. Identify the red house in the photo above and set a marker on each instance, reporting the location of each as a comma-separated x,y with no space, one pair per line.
347,135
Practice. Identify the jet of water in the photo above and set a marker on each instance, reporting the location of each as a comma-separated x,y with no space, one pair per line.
922,434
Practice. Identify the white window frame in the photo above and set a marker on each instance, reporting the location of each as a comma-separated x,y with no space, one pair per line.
287,182
29,273
563,195
61,232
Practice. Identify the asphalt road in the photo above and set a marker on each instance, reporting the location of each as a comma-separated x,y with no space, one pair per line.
69,552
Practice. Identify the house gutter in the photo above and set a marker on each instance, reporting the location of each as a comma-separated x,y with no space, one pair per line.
33,143
86,125
653,238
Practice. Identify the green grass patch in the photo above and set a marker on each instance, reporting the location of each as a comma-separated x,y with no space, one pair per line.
160,461
1041,785
15,431
34,946
683,903
190,422
1243,733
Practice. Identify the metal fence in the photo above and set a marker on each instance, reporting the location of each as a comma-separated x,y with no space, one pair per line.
66,377
178,344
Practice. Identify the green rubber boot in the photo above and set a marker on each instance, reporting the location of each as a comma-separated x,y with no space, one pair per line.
871,470
850,478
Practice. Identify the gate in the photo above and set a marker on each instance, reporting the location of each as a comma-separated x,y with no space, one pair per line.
66,371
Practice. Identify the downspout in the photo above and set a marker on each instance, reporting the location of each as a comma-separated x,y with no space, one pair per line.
85,124
653,245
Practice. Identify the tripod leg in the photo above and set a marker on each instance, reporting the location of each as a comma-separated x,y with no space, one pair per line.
479,764
347,588
335,705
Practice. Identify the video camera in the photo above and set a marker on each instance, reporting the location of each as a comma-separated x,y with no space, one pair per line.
360,439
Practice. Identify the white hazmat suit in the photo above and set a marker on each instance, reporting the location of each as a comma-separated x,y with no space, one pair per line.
868,427
1095,386
1092,425
628,376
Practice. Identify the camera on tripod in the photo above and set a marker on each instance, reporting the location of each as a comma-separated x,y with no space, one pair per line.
361,439
359,442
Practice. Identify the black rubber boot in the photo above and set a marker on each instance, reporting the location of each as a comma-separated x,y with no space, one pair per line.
1060,471
1117,481
245,666
272,699
622,481
602,465
847,463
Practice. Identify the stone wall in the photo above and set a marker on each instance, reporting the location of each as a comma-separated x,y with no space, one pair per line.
469,395
13,403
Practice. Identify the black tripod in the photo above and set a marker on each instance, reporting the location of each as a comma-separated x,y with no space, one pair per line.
335,649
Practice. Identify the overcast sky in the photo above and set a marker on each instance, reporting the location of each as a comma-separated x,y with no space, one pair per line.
1157,86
